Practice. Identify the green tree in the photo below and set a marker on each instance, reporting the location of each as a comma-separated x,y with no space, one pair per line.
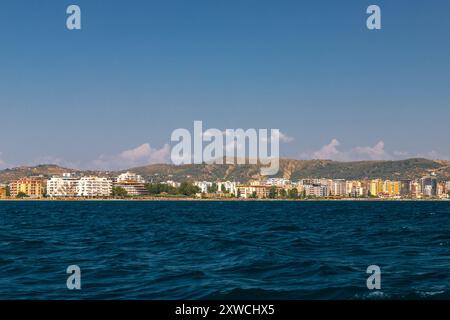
119,192
283,193
254,195
21,195
272,192
238,193
293,193
8,191
188,189
214,188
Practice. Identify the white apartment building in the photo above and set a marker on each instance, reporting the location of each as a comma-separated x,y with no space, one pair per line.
203,185
316,190
338,188
279,182
130,177
228,185
94,187
172,183
65,186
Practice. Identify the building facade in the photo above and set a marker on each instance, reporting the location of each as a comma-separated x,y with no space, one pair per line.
65,186
33,187
94,187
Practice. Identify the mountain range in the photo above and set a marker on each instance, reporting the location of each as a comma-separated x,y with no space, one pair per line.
290,169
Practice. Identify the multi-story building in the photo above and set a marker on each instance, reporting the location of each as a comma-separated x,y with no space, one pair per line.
228,186
132,188
316,190
391,188
447,187
94,187
441,189
173,184
203,185
278,182
416,189
405,187
429,183
2,191
338,188
248,191
65,186
130,177
33,187
133,184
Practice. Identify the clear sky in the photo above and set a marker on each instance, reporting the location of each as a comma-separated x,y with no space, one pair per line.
110,95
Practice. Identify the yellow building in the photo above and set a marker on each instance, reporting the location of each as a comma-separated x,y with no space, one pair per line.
376,187
33,187
391,188
2,192
248,191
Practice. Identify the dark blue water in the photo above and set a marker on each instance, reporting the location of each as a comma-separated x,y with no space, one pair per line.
213,250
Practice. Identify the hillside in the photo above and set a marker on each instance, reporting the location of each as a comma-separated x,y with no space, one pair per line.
46,170
290,169
296,169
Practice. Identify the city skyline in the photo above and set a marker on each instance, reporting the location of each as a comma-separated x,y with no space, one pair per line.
108,96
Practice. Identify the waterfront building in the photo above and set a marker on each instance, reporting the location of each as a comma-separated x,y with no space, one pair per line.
203,185
130,177
2,191
33,187
316,190
65,186
430,183
132,188
93,187
416,189
338,188
248,191
229,186
133,184
375,187
428,191
391,188
447,187
278,182
357,191
173,184
441,189
405,187
351,186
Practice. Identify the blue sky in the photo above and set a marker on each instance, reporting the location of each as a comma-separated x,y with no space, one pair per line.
110,95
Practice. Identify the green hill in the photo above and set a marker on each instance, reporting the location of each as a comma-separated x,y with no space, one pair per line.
290,169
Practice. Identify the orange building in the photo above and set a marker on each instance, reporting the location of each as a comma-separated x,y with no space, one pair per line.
33,187
2,192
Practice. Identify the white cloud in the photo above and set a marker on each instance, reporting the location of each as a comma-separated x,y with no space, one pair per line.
376,152
285,138
332,151
329,151
139,156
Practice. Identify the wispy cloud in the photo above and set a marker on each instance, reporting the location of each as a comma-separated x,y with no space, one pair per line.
139,156
333,151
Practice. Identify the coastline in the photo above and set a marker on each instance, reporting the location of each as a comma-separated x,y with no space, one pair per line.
156,199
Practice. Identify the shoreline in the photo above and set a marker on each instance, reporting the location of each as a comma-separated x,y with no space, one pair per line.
155,199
